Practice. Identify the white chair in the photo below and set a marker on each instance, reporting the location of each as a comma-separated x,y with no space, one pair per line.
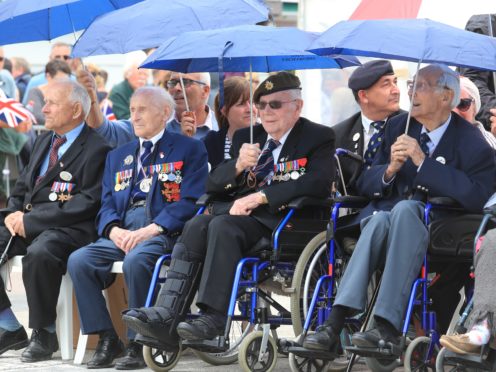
64,306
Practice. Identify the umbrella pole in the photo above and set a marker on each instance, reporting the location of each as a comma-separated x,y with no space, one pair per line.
184,92
74,33
490,23
251,105
413,95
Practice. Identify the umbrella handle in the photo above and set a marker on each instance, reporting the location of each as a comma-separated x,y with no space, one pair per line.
184,92
3,258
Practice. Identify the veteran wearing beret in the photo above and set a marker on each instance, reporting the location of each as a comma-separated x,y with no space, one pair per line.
150,186
290,157
375,89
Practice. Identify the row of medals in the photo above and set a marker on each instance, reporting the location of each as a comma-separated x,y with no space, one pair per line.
294,175
146,183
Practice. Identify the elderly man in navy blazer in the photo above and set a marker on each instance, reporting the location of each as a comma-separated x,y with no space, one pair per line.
441,155
150,187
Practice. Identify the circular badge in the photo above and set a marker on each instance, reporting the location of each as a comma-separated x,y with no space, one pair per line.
356,136
162,177
117,187
172,177
441,159
295,175
66,176
286,177
145,184
52,196
128,160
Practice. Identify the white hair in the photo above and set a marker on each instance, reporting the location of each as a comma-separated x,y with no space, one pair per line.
294,93
78,94
204,77
472,90
160,94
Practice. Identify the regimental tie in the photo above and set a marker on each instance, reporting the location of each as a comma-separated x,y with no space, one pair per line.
145,161
53,156
424,140
375,142
265,166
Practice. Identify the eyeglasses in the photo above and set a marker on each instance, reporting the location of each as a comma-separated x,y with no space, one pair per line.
2,59
64,57
465,104
274,105
187,82
422,86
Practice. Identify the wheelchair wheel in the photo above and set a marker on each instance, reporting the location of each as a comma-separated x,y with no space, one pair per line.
302,364
249,351
416,354
380,365
160,360
312,264
239,330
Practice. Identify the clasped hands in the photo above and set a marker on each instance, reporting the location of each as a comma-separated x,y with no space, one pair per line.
405,147
126,240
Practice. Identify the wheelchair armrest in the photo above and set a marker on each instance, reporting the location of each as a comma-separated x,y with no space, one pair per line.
490,210
444,202
349,154
307,201
205,199
352,201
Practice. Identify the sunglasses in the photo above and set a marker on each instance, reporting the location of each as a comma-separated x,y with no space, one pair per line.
64,57
187,82
465,104
274,105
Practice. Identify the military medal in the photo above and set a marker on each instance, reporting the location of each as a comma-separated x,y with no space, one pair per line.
65,176
117,187
162,176
171,177
145,184
52,196
295,175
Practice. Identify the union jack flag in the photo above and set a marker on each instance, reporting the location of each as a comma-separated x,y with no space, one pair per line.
107,110
13,112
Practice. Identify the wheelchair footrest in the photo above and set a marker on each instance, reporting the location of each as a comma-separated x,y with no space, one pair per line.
155,344
387,352
471,361
216,345
312,354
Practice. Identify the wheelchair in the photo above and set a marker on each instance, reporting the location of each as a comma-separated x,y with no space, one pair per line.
450,241
486,360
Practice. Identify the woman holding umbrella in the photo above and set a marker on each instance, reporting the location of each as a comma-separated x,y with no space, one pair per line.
231,115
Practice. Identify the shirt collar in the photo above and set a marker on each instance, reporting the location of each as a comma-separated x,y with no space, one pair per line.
283,138
366,123
154,139
73,133
436,134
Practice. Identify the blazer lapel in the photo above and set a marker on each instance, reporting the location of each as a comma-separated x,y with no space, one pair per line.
444,151
40,154
289,149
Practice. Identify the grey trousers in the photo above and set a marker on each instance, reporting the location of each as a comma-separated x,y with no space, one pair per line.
397,241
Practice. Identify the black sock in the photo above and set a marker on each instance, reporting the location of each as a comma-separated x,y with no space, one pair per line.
110,333
336,318
385,327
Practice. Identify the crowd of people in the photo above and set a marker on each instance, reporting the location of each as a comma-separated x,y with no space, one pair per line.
94,191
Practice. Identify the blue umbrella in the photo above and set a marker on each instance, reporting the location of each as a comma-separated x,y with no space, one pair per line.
414,40
408,40
33,20
242,48
150,23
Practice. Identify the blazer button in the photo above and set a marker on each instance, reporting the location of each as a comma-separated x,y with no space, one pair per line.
28,207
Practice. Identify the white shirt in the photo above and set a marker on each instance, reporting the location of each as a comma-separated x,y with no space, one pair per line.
154,140
277,150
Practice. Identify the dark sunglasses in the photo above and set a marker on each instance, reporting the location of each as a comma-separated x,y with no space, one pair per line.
274,105
187,82
465,104
64,57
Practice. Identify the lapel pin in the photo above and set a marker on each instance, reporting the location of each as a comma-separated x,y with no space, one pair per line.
128,160
61,165
161,155
441,159
65,176
356,137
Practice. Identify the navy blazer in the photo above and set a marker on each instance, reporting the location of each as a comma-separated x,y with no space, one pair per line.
171,148
462,167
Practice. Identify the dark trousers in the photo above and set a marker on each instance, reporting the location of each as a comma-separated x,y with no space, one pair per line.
43,264
222,241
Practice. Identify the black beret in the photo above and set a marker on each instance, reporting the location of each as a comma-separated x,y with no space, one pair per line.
276,83
367,74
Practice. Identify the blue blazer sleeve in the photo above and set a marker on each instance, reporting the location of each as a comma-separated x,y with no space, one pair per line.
116,133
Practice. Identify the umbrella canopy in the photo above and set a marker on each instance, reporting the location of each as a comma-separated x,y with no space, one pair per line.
411,40
244,48
46,20
149,24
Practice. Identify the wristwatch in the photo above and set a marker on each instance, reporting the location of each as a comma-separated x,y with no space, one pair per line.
160,229
264,197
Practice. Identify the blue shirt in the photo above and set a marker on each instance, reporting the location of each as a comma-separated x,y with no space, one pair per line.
70,138
435,135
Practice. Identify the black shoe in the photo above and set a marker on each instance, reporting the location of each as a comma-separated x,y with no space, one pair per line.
324,339
373,338
133,357
205,327
13,340
108,348
41,346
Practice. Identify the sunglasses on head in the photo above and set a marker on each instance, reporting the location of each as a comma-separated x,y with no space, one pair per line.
187,82
274,105
465,104
64,57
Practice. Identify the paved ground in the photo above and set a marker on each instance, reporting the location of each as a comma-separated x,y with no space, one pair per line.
10,361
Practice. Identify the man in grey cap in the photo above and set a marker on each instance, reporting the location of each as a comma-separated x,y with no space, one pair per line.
374,86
